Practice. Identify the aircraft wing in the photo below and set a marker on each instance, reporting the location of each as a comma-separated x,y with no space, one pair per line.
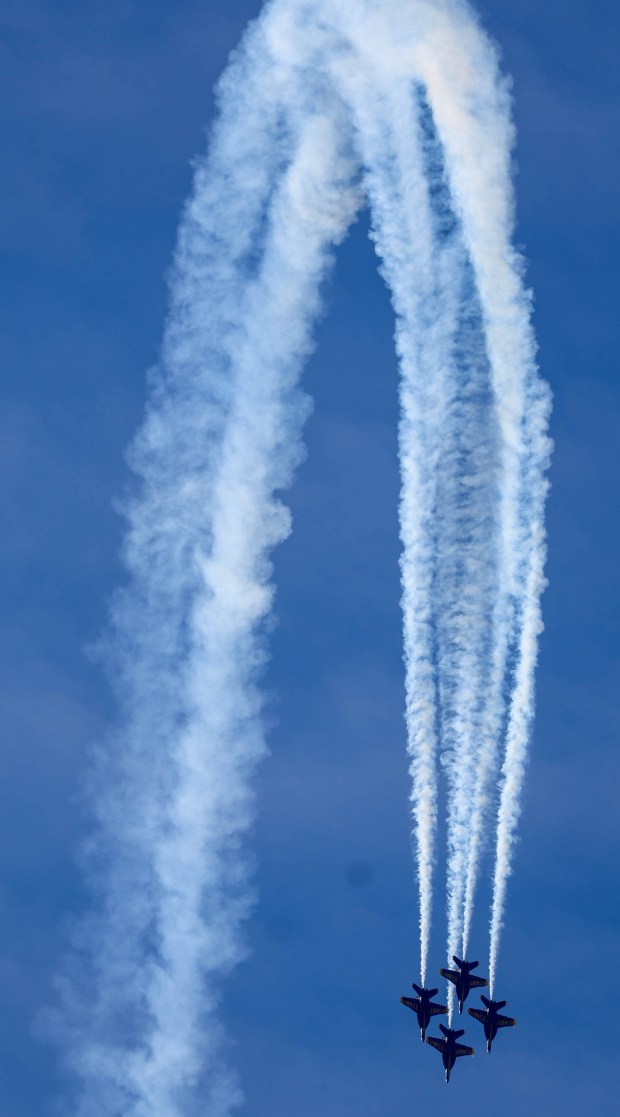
451,975
411,1002
477,982
438,1010
439,1044
462,1049
506,1022
478,1014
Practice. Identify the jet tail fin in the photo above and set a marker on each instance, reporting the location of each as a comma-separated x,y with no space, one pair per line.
432,993
442,1028
467,966
417,989
486,1002
501,1004
459,1033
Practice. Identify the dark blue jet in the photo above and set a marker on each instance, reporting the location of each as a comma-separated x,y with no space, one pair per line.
450,1049
423,1007
492,1019
463,980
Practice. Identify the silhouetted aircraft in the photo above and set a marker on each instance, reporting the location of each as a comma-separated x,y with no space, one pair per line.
450,1049
423,1007
492,1019
463,980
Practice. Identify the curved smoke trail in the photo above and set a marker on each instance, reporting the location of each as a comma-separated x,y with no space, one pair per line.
325,103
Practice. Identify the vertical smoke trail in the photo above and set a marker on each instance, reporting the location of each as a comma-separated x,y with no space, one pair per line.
466,588
522,699
465,559
484,803
472,115
423,274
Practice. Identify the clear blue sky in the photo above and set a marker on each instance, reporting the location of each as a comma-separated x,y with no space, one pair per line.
103,107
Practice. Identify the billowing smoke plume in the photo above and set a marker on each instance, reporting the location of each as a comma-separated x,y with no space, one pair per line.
327,105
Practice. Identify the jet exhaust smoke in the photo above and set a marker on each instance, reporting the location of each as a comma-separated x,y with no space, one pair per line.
327,105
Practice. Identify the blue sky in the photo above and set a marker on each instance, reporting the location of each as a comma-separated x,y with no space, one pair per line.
104,106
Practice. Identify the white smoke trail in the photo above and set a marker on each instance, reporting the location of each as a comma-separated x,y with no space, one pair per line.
471,112
522,699
223,433
420,273
465,591
320,96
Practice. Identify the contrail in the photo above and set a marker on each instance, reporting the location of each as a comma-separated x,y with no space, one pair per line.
222,435
472,115
420,272
466,587
324,106
538,449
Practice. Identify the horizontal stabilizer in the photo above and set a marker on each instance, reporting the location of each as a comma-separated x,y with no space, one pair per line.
438,1010
501,1004
420,991
410,1003
506,1022
434,992
458,961
438,1044
450,975
478,1014
486,1002
462,1049
459,1033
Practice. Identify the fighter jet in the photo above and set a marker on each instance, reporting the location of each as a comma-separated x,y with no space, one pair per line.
491,1018
463,980
423,1007
450,1049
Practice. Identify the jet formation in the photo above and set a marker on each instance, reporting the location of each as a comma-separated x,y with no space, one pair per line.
425,1008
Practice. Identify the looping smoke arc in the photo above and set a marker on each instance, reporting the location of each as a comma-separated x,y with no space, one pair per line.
327,106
